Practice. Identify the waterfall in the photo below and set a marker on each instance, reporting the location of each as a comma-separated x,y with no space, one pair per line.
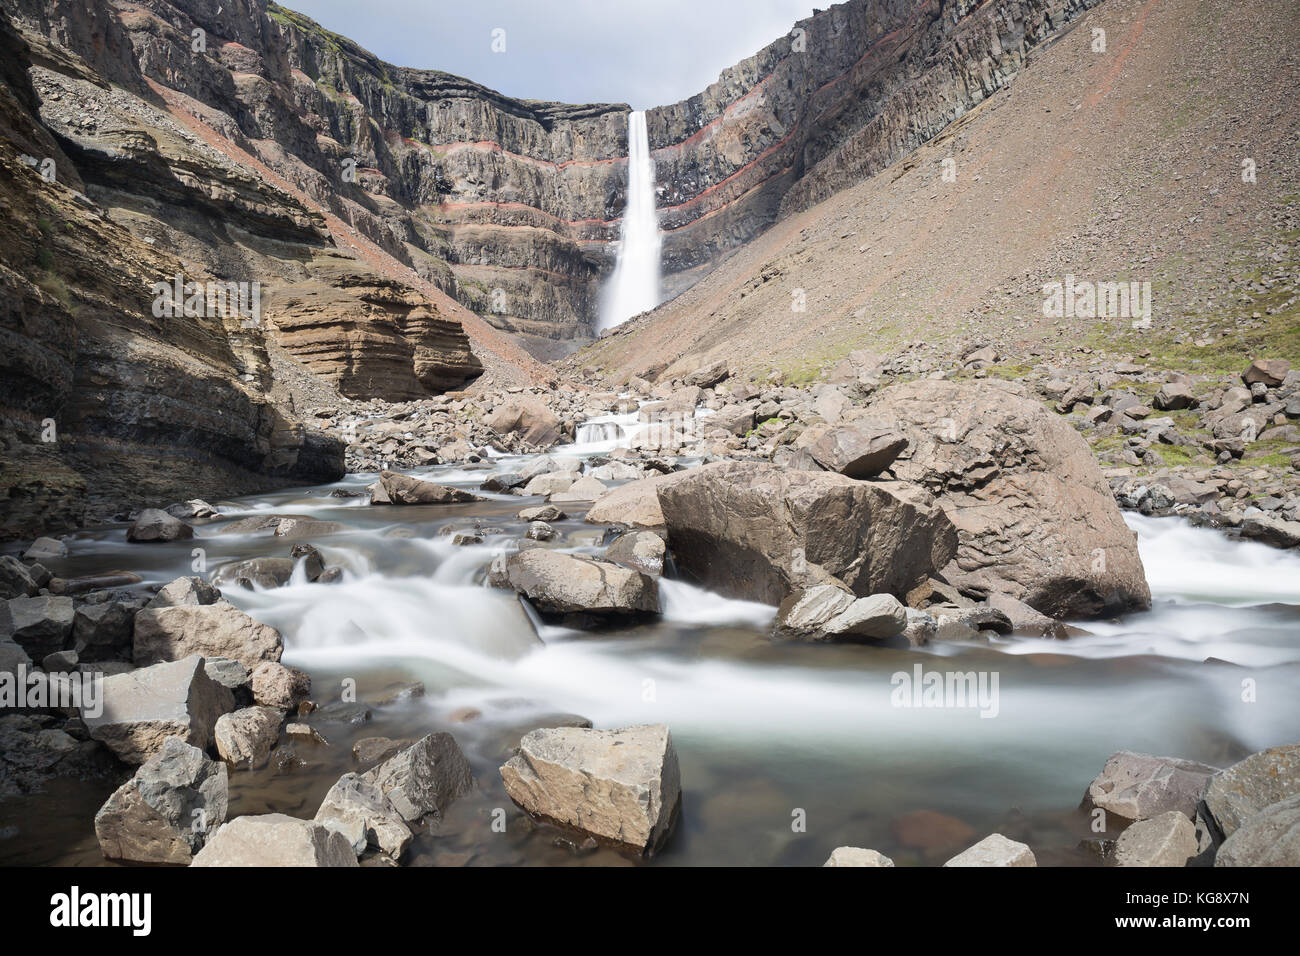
634,286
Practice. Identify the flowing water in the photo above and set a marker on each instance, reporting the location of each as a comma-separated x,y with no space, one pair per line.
634,286
768,734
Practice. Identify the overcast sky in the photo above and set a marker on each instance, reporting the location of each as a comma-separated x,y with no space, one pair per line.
643,52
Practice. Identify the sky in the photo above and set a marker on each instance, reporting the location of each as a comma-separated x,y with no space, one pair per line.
643,52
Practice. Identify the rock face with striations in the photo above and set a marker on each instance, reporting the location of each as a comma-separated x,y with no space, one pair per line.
1035,518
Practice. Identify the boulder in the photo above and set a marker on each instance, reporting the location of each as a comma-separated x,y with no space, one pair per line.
1270,837
860,450
525,416
551,483
364,816
256,573
1168,839
102,632
1174,396
1139,786
154,524
46,549
1237,793
876,616
213,630
541,513
15,579
273,839
141,709
424,778
185,591
804,613
856,856
165,812
1035,518
278,686
42,625
405,490
995,850
751,530
245,738
564,584
642,551
708,375
621,787
584,489
634,505
1270,372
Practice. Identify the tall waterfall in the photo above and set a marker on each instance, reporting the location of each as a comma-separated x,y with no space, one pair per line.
634,286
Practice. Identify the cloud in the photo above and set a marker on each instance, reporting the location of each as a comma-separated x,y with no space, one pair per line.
643,52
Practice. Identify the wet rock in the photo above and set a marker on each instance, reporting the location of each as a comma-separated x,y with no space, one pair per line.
424,778
856,856
190,591
930,831
194,508
622,787
165,812
214,630
641,551
539,531
405,490
31,754
753,531
46,549
1024,619
372,750
876,616
256,573
1139,786
305,733
564,584
153,524
359,811
542,513
245,738
804,613
42,625
995,850
1237,793
92,582
1270,837
273,839
15,578
278,686
1168,839
1277,532
143,708
584,489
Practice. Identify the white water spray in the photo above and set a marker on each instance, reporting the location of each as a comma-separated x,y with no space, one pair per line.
634,286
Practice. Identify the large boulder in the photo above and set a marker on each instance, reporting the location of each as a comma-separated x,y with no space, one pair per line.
424,778
278,686
642,551
1237,793
525,416
634,505
273,839
165,812
212,630
102,632
144,707
1034,516
405,490
567,585
622,787
15,579
751,530
1271,372
185,591
1268,838
361,812
1139,786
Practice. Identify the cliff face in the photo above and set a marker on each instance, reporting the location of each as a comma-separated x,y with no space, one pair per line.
105,404
512,206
